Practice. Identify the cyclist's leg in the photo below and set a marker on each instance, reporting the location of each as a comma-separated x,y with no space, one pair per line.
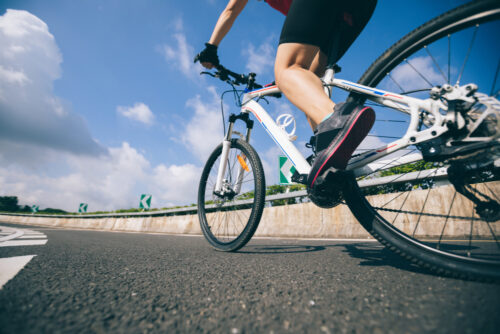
318,67
305,32
299,84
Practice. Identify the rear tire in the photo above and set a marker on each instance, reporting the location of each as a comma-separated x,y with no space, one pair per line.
394,217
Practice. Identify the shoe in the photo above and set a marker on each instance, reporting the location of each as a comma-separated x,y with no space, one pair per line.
338,137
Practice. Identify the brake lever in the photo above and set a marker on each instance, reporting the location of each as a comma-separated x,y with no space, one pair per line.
208,73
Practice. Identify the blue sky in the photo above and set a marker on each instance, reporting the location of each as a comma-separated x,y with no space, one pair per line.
134,115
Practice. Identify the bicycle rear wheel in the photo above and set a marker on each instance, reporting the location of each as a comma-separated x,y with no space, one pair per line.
424,213
230,218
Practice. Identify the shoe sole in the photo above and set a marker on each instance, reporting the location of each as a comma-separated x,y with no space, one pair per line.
338,154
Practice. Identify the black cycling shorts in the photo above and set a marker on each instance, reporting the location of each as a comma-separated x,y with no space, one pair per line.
332,25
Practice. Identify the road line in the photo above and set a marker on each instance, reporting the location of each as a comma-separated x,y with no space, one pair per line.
16,234
23,243
10,266
42,236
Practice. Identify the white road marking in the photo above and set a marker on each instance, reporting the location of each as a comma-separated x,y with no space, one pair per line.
10,266
18,237
15,234
32,237
11,243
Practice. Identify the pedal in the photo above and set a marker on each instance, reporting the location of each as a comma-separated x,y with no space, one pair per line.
299,178
332,176
327,190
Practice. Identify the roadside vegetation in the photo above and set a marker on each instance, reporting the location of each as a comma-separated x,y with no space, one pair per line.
10,204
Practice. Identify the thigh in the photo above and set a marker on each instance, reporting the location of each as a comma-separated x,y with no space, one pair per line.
309,22
294,54
326,23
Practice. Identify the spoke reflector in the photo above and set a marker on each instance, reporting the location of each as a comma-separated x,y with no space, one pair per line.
243,163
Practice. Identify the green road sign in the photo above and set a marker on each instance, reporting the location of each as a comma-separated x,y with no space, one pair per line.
83,207
286,170
35,208
145,202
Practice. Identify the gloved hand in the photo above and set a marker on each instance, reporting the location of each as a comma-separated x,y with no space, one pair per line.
208,57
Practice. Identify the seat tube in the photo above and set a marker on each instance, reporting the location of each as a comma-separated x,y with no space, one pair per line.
327,80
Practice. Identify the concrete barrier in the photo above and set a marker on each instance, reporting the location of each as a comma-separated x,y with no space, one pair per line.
309,221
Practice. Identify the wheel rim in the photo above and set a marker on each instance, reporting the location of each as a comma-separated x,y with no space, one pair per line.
430,210
227,214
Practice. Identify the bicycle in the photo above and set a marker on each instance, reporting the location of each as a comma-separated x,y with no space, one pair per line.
448,153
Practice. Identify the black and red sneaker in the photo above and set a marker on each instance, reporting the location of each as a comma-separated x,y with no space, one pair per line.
337,137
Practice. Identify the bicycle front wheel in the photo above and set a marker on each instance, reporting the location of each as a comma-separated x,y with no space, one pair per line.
229,217
439,213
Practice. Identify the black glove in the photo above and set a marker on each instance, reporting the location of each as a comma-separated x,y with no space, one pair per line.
208,55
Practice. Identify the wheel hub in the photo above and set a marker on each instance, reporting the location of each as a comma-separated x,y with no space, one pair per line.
473,120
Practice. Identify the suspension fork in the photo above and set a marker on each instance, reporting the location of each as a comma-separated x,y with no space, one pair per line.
226,146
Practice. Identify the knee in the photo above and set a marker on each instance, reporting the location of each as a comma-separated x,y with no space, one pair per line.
283,73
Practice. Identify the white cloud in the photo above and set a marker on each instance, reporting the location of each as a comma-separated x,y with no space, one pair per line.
13,77
261,58
139,112
47,155
30,113
408,77
203,131
105,183
176,184
180,55
19,23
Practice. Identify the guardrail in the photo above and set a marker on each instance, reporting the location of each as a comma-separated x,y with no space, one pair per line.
436,174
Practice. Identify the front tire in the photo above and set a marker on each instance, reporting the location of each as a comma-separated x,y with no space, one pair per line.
228,220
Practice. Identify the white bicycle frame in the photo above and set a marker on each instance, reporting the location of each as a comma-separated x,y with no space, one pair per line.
364,163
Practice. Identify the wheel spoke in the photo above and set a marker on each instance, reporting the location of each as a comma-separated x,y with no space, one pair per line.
493,85
491,191
225,221
468,53
392,161
420,74
446,221
394,80
471,229
435,62
415,220
493,234
421,211
402,193
449,57
399,211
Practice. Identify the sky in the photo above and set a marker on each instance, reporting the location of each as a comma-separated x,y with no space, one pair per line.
100,101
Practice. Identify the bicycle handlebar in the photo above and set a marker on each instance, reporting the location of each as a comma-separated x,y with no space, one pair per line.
237,79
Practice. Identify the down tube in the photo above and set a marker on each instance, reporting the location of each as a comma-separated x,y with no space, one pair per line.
279,136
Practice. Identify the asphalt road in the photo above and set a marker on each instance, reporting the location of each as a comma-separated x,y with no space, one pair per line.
103,282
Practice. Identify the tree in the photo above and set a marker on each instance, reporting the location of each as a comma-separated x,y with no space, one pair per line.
9,203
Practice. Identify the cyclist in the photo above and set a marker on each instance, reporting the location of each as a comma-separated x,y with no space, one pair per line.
312,30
